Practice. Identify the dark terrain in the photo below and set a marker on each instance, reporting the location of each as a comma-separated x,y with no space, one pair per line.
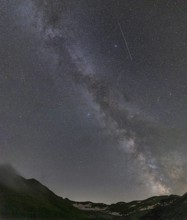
22,198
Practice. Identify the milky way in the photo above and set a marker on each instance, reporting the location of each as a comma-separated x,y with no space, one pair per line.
94,96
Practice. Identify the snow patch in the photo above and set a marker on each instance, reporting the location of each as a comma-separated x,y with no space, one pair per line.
88,207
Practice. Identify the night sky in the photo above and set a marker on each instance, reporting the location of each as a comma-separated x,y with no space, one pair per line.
93,96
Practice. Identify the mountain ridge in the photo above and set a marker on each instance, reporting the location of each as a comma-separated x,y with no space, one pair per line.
22,198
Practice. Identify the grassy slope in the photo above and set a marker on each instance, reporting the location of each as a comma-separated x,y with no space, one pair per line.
31,200
28,199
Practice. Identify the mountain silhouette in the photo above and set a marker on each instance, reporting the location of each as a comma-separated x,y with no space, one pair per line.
23,199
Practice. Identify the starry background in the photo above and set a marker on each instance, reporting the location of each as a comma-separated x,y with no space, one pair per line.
93,96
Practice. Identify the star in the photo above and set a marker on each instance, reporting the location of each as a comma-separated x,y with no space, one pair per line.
88,114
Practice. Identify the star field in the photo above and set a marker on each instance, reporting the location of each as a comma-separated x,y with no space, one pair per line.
93,96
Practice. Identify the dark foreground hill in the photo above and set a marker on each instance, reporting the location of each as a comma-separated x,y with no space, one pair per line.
26,199
22,198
